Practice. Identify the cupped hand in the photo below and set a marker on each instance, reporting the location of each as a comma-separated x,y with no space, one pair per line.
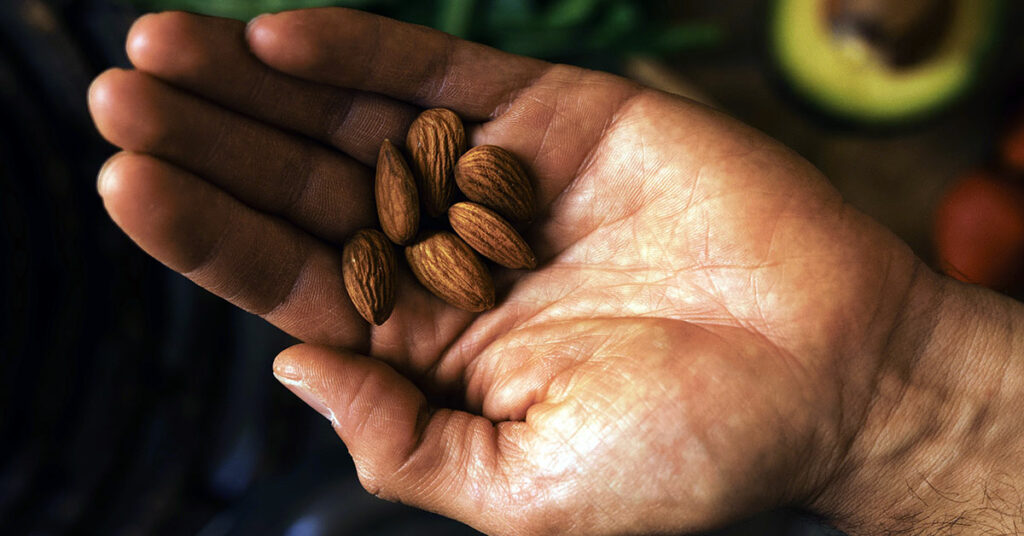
700,340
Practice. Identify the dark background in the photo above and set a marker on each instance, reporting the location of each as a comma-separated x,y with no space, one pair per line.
132,402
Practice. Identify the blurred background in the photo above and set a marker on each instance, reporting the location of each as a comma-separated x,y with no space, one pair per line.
132,402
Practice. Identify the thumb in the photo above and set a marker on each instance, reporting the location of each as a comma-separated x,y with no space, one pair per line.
450,462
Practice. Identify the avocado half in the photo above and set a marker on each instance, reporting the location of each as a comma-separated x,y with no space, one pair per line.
848,75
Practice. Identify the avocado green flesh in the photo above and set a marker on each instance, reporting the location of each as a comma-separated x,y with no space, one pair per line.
846,77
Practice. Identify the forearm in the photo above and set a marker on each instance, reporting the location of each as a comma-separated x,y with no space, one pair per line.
941,450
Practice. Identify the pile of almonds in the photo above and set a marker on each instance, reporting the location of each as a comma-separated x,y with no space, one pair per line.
498,193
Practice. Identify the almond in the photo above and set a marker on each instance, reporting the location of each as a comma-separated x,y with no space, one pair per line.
494,178
398,205
435,140
444,264
491,236
368,267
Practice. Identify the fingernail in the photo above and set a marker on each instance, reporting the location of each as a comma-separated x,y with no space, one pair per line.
291,377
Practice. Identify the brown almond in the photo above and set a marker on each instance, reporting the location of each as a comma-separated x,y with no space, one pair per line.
398,205
490,235
444,264
368,267
493,177
435,141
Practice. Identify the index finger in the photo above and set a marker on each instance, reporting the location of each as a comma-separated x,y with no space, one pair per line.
357,50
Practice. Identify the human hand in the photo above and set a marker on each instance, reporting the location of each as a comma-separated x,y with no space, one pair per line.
705,335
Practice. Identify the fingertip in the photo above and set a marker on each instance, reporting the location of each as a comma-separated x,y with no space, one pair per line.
139,37
254,22
318,367
290,372
114,186
122,105
288,363
331,381
108,180
125,182
281,40
102,93
172,43
156,39
154,203
351,384
260,33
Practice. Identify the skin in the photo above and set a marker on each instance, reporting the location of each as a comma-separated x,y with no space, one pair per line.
711,330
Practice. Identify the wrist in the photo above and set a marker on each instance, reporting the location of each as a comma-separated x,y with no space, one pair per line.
941,449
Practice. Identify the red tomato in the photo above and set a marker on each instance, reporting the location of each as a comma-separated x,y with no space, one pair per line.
979,231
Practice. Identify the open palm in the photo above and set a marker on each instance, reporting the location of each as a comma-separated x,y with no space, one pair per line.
700,338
